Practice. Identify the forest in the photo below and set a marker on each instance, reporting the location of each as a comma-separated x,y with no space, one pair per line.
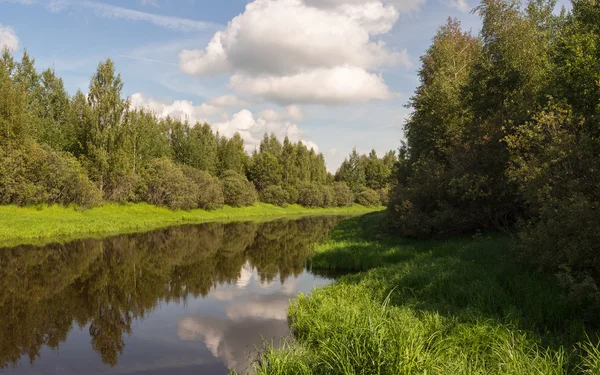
505,136
91,148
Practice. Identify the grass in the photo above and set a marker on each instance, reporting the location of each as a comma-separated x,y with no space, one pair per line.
461,306
39,225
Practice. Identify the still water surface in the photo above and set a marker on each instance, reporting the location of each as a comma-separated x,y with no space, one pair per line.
185,300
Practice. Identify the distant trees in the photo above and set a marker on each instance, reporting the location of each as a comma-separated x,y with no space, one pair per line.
504,135
95,147
369,173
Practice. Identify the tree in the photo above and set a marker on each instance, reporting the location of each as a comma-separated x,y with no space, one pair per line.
203,148
14,117
352,172
103,147
54,127
264,170
231,153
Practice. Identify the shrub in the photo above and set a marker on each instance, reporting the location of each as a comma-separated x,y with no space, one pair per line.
369,198
384,196
166,185
342,194
292,193
238,191
127,188
210,190
311,195
328,195
34,174
274,194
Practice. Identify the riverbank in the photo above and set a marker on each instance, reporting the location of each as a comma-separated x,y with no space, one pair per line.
461,306
39,225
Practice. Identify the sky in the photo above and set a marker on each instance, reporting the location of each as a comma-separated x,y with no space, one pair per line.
334,74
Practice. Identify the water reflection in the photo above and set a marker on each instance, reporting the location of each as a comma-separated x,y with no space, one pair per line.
178,300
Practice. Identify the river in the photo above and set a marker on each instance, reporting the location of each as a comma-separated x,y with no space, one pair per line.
194,299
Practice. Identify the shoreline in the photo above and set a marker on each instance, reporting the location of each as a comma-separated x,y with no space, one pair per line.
51,224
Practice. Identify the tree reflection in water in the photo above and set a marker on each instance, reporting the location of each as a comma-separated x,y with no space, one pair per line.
107,284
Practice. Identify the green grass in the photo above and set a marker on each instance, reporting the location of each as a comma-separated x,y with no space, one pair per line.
39,225
461,306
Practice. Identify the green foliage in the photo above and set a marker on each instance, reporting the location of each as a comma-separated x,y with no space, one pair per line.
328,195
32,175
311,195
166,185
210,191
342,194
264,170
369,198
238,191
352,172
455,306
274,194
292,193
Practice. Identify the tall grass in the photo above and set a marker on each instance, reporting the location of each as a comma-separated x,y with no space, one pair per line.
462,306
20,225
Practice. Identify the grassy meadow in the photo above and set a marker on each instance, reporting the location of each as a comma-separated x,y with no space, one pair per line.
42,224
459,306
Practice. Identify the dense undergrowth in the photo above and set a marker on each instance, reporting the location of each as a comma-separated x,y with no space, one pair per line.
459,306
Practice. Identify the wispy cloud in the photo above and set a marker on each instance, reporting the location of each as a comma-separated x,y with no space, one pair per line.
148,60
116,12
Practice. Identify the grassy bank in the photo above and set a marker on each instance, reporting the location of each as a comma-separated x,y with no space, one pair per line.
462,306
37,225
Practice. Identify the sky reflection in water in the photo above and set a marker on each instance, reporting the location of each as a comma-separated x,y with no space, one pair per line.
184,300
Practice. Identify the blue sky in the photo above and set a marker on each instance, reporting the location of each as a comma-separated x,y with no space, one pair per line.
332,73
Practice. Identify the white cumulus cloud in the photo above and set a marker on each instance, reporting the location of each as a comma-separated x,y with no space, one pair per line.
340,85
277,44
228,101
179,109
253,128
8,38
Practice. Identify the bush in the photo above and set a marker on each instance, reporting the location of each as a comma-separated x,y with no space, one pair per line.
311,195
274,194
328,196
384,196
342,194
210,190
166,185
238,191
292,193
369,198
127,188
34,174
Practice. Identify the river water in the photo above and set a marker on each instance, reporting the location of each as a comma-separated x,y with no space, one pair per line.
195,299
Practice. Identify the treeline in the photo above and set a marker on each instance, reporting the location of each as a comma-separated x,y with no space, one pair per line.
505,134
89,148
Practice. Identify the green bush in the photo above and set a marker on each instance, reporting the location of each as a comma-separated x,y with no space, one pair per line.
166,185
238,191
369,198
311,195
342,194
34,174
384,196
274,194
127,188
328,196
210,190
292,193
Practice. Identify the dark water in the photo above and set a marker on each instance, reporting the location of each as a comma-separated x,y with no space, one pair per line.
184,300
